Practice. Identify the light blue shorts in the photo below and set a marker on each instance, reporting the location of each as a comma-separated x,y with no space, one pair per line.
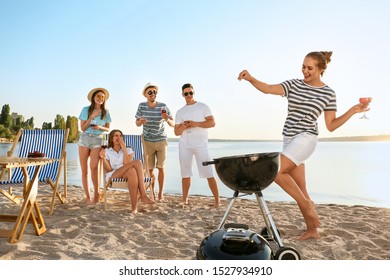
299,147
89,140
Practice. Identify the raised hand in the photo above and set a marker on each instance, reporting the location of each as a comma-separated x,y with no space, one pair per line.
244,75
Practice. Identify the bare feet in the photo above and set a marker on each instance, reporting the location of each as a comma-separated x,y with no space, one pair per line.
161,197
183,204
135,211
145,199
215,205
309,214
309,234
96,198
88,201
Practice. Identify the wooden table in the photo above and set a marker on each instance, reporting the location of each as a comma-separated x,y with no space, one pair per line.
30,211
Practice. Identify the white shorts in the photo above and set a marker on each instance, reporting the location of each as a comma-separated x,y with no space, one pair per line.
201,154
299,147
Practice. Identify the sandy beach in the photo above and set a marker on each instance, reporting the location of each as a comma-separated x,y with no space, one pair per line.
169,232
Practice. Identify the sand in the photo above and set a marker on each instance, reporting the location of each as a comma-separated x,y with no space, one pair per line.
169,232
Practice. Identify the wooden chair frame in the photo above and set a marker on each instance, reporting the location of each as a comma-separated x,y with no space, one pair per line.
62,166
29,211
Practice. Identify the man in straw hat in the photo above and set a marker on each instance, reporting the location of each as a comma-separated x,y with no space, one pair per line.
153,115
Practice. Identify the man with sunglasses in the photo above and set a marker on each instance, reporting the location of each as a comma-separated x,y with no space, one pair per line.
153,115
192,122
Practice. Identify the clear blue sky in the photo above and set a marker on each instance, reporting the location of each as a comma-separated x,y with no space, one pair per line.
54,52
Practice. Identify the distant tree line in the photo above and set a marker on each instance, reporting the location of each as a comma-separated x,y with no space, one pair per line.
10,124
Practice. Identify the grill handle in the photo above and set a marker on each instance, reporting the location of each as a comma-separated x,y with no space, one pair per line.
205,163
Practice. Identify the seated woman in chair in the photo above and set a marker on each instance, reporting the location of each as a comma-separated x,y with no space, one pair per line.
118,163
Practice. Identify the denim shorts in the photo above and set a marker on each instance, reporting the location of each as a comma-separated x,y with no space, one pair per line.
89,140
299,147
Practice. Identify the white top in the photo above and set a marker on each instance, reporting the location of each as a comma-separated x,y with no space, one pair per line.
194,136
116,159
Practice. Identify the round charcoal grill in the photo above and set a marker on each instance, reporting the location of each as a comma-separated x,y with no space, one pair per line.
248,174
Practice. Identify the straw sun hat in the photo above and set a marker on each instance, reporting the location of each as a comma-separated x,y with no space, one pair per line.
107,94
149,85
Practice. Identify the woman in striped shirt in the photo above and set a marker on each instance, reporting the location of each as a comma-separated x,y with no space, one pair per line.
307,99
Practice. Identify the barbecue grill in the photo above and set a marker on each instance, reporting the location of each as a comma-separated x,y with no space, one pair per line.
248,174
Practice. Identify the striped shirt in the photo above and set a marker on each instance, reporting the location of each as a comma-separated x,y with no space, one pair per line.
305,105
154,129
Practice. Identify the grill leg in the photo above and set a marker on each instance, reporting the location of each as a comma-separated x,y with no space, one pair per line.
234,198
269,222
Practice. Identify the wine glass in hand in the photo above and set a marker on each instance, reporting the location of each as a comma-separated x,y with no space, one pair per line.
188,126
94,123
366,101
164,113
104,144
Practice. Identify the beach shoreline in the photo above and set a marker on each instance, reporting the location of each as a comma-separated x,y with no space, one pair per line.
170,232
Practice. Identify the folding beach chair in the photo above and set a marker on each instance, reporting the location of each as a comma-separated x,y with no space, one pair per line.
29,211
50,142
136,142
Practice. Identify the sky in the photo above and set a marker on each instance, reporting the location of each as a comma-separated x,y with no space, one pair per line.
52,53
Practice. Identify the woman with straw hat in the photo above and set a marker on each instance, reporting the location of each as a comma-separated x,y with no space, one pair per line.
94,120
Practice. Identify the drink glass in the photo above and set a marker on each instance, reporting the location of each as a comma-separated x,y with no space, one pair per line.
365,101
104,143
163,110
188,129
93,123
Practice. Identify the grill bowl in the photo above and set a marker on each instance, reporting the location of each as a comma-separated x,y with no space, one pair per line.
247,173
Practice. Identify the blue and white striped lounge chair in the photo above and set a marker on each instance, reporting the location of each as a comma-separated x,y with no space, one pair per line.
52,143
136,142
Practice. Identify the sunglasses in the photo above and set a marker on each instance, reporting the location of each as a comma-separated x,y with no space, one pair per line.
188,93
150,92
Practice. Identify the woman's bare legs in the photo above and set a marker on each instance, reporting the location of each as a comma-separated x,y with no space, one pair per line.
94,165
298,174
137,165
286,181
83,157
132,183
131,173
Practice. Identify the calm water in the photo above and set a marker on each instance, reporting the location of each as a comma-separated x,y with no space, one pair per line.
338,172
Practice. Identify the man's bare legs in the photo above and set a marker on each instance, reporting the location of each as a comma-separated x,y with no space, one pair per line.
161,181
214,189
286,177
185,185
